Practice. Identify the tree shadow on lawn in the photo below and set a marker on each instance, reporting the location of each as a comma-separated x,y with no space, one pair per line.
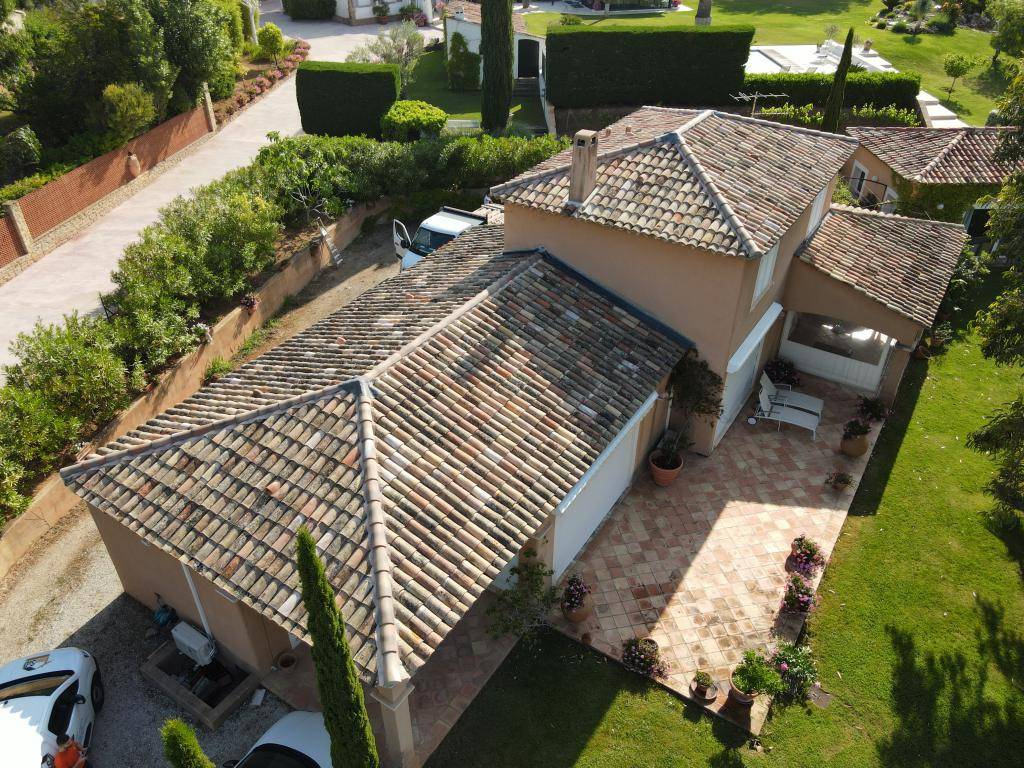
944,716
789,7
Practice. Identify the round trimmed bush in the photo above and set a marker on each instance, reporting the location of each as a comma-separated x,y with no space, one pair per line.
412,120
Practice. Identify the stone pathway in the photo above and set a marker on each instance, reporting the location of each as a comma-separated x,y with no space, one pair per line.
700,566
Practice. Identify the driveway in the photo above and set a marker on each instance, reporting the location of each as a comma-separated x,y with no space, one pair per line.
72,276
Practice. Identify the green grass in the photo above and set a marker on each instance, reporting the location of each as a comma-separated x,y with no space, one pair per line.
430,84
918,636
804,21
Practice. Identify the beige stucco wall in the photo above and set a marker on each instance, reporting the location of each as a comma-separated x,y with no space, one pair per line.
246,637
878,172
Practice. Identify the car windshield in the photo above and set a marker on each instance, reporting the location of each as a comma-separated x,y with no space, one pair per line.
276,756
427,241
36,685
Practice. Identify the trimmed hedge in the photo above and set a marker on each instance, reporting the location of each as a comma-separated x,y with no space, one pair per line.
896,88
412,120
685,65
349,99
309,9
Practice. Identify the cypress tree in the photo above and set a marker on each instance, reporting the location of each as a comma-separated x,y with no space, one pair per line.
496,40
181,747
834,105
341,694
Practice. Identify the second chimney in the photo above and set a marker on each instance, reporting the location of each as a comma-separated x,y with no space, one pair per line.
583,172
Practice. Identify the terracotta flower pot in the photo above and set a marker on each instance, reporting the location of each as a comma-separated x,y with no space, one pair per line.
582,613
660,475
286,661
739,696
704,694
854,446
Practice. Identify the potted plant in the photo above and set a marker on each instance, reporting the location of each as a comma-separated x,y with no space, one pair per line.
805,557
855,437
696,391
703,687
799,595
576,602
782,371
873,409
250,301
381,11
837,481
752,676
643,657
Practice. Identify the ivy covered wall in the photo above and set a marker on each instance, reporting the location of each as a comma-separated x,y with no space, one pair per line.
923,200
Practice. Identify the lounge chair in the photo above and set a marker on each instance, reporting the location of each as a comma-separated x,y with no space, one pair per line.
783,414
781,394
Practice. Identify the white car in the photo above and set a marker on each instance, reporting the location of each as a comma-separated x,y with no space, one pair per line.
43,696
297,740
443,227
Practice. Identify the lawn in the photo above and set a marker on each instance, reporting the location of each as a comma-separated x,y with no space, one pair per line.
430,84
918,636
804,21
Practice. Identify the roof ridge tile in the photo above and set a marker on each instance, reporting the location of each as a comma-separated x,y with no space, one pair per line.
940,156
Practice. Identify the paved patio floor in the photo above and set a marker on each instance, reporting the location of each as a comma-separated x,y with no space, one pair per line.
700,566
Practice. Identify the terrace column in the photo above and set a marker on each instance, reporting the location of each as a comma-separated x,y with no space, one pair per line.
399,748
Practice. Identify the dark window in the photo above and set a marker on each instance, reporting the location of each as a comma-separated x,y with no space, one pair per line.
63,707
426,241
36,685
276,756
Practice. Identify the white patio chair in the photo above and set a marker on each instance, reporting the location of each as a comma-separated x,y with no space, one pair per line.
783,414
787,396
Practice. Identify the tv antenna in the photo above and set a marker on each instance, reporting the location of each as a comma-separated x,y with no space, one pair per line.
753,97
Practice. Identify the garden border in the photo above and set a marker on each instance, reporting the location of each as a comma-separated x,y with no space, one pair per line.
52,500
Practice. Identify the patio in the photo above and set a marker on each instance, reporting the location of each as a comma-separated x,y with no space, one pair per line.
700,566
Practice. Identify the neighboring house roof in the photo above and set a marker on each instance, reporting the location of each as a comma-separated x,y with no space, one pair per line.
938,155
714,180
423,433
905,264
471,13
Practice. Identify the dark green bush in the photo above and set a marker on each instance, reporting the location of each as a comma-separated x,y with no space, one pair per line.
309,9
412,120
463,66
12,501
597,66
20,153
345,99
896,88
34,430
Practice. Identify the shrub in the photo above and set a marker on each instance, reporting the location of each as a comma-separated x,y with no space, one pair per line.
381,9
20,152
463,65
222,84
782,371
33,430
756,674
791,114
595,66
408,11
880,24
231,22
873,408
218,367
74,366
522,609
796,668
900,27
869,114
855,428
643,657
897,88
310,9
941,23
271,42
338,99
127,111
12,502
807,558
181,747
799,595
400,45
412,120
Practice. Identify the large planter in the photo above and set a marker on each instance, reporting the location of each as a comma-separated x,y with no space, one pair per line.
854,446
660,475
582,613
739,696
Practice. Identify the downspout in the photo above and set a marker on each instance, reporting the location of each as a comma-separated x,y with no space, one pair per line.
195,597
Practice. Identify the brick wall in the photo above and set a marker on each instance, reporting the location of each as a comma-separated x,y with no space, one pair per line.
76,190
9,249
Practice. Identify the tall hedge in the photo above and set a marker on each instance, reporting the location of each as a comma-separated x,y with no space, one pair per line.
345,99
309,9
685,65
496,47
878,88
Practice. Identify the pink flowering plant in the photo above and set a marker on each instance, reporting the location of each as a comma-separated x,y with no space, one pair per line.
797,670
643,657
576,591
807,558
799,594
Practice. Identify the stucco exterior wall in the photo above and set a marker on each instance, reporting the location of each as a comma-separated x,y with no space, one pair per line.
246,637
880,176
471,32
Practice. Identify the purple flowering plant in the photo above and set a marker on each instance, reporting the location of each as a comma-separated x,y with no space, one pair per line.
807,557
643,657
576,591
799,594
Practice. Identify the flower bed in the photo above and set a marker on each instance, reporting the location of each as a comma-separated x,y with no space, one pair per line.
258,83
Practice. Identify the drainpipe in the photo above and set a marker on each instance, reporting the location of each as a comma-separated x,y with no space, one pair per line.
195,597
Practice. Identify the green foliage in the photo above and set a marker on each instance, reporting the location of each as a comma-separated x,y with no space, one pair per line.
22,187
341,693
338,99
696,392
836,95
234,27
12,501
20,152
797,670
956,65
522,609
218,367
181,747
1001,325
1003,436
34,431
791,114
756,675
463,65
945,202
841,194
399,45
412,120
271,42
1008,36
869,114
1011,113
309,9
496,48
127,111
197,43
971,269
591,66
74,366
222,82
896,88
248,30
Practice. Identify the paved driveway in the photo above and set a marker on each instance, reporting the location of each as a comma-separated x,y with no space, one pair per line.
73,275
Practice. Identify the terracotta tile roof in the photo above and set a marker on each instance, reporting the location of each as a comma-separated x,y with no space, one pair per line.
453,442
938,155
471,13
905,264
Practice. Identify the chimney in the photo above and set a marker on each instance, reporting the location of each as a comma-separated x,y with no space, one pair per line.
583,172
460,13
